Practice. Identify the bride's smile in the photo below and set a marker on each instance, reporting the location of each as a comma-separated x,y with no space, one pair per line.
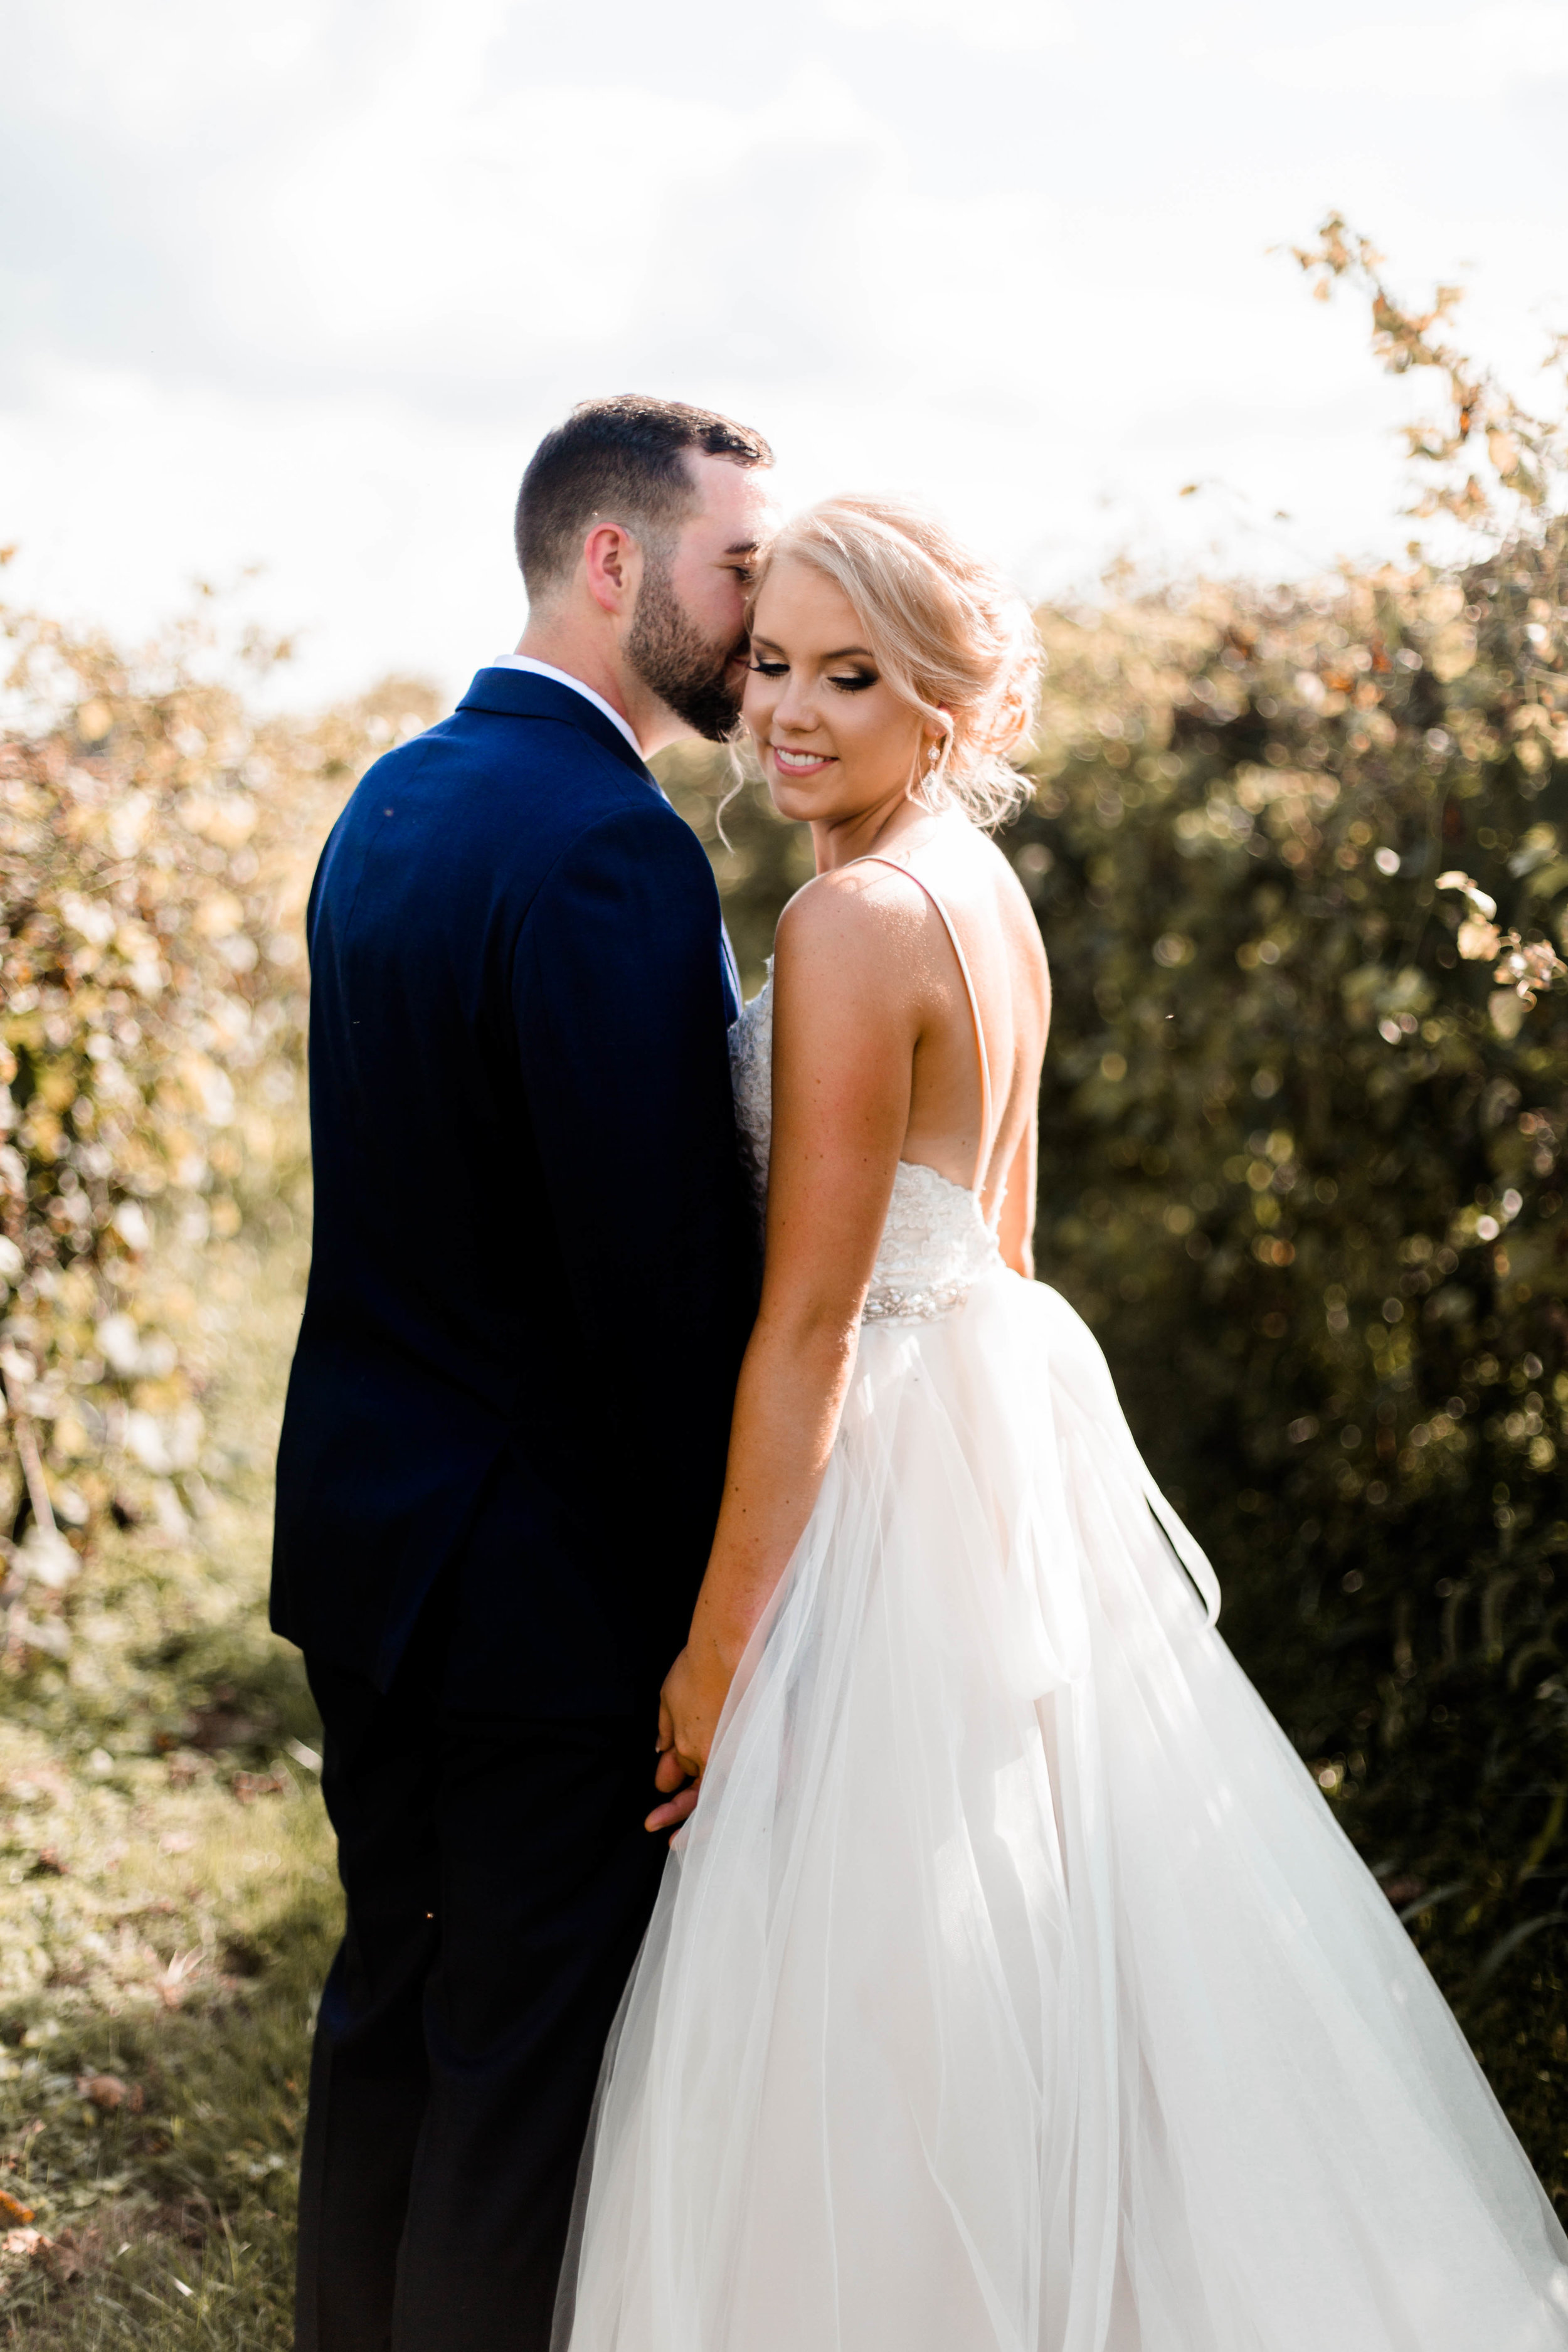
799,763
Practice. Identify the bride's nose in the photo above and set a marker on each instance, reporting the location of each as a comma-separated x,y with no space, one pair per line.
797,706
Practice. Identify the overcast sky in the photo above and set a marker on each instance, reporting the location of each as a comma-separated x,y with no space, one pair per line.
301,283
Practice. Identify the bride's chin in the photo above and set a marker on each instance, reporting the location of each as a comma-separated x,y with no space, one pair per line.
793,801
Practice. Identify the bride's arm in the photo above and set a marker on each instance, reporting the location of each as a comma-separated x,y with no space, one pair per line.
846,1023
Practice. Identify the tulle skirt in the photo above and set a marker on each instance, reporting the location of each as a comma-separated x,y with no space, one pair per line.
1013,1986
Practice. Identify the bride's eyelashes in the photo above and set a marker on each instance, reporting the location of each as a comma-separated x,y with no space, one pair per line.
850,682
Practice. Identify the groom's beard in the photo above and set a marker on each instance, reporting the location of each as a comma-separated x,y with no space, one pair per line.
676,662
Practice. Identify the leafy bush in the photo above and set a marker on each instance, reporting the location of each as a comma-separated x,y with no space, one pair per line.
156,840
1300,1167
168,1905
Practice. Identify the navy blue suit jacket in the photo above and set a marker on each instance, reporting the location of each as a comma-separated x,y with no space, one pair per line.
534,1258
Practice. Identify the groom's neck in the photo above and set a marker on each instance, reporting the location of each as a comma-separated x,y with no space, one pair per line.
585,655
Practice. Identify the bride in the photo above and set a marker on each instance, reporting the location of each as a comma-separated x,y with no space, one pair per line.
1011,1985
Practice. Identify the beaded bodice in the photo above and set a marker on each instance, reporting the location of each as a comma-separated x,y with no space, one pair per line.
936,1243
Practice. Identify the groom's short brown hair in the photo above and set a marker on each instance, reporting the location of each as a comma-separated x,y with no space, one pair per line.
622,458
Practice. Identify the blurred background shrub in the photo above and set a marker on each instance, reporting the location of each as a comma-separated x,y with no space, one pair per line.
156,845
166,1904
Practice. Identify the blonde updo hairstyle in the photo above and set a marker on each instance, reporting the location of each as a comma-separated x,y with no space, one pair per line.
945,630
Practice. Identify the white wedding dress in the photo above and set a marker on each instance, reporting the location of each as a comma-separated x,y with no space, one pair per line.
1013,1988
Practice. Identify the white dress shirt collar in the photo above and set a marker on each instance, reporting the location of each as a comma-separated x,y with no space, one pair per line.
563,677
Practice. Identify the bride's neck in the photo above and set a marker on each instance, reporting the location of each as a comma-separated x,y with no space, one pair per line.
895,827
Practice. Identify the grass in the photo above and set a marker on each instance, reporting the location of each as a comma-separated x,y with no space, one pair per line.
168,1907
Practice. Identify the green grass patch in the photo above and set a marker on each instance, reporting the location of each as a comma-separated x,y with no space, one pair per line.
168,1908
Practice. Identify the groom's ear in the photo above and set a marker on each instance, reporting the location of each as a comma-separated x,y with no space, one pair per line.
613,563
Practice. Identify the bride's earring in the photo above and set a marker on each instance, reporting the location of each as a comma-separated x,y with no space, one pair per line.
936,754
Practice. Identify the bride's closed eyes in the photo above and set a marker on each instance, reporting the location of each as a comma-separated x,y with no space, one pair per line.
846,681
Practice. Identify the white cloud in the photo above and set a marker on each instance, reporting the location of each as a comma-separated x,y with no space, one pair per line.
385,538
1452,60
981,24
469,242
157,70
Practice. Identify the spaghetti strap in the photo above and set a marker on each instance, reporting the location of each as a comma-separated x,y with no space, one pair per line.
985,1099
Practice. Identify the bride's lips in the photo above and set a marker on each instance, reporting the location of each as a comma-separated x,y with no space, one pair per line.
799,763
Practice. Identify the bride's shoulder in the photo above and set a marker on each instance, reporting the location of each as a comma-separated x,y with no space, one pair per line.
845,923
849,902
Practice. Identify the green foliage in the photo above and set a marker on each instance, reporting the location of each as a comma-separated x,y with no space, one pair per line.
1301,1170
156,840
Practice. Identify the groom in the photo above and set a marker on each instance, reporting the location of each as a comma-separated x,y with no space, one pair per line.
505,1434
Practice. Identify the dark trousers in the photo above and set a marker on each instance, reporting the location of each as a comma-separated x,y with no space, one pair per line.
498,1880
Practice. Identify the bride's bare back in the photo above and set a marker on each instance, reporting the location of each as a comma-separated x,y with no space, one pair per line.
926,874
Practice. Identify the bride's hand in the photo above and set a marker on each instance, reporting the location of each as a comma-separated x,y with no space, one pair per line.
689,1706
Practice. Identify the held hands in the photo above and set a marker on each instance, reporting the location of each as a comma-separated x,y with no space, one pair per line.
689,1706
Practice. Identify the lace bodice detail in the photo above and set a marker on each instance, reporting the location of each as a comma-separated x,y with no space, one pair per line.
936,1243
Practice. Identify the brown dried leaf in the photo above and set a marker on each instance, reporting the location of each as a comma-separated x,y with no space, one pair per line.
105,2091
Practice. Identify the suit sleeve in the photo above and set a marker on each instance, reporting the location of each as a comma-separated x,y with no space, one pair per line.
621,1020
